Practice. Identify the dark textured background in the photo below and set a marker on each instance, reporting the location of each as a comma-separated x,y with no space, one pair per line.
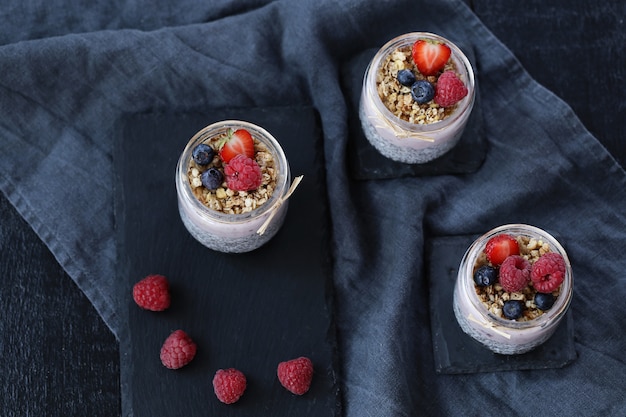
576,50
59,356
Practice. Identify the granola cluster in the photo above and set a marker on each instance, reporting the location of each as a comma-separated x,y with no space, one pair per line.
494,296
397,97
229,201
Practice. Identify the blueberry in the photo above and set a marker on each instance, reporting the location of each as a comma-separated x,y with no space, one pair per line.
422,91
406,77
212,178
203,154
513,309
544,301
485,276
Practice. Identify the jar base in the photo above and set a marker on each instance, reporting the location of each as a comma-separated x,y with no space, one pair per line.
402,154
493,345
237,244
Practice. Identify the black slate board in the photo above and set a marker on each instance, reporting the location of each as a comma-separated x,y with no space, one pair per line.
248,311
366,163
457,353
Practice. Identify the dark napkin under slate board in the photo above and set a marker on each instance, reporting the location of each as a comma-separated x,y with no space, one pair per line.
366,163
457,353
247,311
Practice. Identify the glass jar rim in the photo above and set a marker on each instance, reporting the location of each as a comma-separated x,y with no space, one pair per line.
550,316
408,39
282,184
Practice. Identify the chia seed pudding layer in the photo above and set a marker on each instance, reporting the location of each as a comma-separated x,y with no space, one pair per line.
400,153
489,340
234,244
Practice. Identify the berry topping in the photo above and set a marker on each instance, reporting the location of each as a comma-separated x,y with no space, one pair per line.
238,142
485,275
430,56
202,154
422,91
500,247
177,350
152,293
296,375
212,178
406,77
242,174
544,301
548,272
513,309
229,385
514,273
449,90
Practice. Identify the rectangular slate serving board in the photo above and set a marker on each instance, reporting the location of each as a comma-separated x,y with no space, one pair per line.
247,311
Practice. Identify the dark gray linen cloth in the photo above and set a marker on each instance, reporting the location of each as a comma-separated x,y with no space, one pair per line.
71,71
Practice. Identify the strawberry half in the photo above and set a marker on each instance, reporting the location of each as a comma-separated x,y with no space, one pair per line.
238,142
430,56
500,247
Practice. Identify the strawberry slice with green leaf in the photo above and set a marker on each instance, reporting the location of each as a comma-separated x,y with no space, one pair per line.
237,142
430,56
500,247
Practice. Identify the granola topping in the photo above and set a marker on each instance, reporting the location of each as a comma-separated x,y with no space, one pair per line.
397,97
228,201
494,296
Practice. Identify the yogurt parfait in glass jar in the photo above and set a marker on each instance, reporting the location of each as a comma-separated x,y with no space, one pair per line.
233,183
513,288
418,93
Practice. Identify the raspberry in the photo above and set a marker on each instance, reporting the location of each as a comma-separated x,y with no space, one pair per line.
514,273
449,90
296,375
548,272
229,385
152,293
242,174
177,350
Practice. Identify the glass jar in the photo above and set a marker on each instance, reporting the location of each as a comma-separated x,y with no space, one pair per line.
234,233
499,334
405,141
